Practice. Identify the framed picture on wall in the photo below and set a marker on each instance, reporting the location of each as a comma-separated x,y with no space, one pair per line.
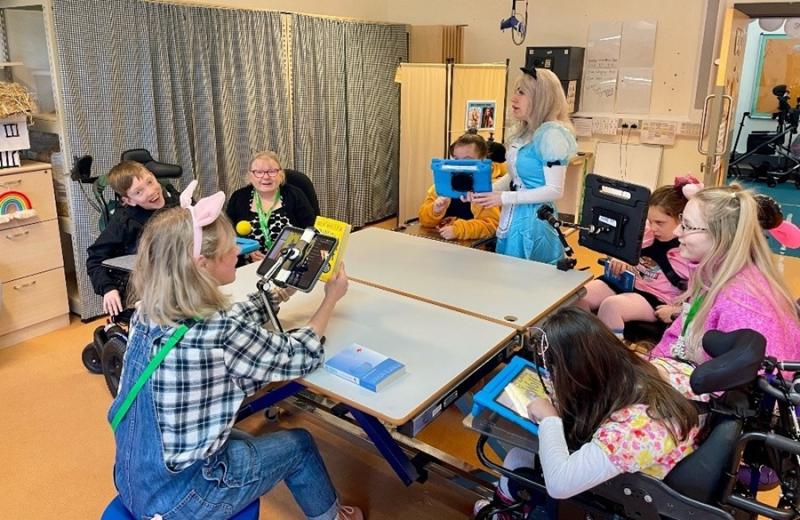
480,115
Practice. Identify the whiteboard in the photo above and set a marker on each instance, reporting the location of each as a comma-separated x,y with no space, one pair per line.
636,163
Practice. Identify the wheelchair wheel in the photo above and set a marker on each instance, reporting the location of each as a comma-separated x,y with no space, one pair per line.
100,337
91,359
113,353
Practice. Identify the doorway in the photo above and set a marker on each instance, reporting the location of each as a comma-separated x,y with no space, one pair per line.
763,122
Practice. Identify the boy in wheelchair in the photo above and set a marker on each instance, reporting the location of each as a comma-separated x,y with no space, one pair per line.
141,195
138,195
622,437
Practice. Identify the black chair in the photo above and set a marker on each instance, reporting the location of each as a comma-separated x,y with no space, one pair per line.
301,181
159,169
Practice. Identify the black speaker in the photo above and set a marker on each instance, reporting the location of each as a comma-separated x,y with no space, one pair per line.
564,62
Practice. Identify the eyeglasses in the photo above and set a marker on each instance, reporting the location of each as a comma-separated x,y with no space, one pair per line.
540,346
686,229
272,172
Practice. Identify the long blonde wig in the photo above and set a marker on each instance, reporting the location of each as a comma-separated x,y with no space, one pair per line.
166,279
738,242
547,103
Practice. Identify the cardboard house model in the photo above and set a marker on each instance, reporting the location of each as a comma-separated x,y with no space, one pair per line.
15,106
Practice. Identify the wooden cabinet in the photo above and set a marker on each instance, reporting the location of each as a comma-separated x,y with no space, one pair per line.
33,292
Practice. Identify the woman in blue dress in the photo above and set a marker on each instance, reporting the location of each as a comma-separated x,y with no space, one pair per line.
542,141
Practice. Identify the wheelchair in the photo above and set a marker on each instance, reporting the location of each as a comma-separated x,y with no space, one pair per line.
751,424
104,354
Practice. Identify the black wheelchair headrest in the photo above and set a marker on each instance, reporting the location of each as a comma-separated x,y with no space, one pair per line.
736,358
159,169
82,169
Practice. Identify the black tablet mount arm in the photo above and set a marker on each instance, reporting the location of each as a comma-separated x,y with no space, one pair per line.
279,273
546,213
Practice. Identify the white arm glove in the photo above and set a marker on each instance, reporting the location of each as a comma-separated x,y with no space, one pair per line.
565,474
503,183
552,190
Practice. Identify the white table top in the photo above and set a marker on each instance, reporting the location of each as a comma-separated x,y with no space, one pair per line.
439,346
484,284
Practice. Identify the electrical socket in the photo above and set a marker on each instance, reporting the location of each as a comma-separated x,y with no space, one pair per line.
633,124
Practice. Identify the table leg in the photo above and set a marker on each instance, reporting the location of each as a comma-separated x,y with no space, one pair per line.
388,447
269,399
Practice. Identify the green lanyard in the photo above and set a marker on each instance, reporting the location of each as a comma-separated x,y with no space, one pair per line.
696,302
148,371
263,219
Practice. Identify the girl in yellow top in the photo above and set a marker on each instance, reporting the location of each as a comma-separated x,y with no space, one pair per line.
454,218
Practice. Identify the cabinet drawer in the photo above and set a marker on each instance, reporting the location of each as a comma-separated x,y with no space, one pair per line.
29,250
33,299
38,187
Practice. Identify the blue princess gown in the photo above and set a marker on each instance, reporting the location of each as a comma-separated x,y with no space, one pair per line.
521,233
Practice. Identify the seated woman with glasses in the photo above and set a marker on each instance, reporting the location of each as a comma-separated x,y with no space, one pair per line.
735,283
261,211
594,427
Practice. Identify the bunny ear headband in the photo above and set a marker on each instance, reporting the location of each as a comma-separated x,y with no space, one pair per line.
689,185
203,213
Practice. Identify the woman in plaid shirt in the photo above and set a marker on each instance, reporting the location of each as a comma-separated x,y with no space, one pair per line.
178,455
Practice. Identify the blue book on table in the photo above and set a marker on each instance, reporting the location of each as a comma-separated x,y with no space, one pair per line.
365,367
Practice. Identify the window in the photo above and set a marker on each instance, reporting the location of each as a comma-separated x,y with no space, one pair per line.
11,129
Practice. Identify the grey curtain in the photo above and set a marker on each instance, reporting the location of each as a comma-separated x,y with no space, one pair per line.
346,114
199,87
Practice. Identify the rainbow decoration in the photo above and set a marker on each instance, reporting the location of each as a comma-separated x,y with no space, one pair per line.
15,205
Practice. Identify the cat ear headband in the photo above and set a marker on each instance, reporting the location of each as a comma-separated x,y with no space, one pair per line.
689,185
203,213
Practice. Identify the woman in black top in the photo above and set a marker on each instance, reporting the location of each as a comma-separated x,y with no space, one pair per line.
268,204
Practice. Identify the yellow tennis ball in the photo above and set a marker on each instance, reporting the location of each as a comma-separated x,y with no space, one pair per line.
243,228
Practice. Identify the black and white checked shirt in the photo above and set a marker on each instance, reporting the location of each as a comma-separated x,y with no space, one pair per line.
202,382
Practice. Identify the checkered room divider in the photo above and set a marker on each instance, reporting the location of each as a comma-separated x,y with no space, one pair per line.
205,87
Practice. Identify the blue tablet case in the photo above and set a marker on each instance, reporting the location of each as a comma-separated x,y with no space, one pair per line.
455,177
246,245
488,395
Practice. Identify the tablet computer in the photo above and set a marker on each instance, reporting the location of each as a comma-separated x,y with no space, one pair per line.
313,262
510,391
456,177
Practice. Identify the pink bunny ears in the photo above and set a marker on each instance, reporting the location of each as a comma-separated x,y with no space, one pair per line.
203,213
689,185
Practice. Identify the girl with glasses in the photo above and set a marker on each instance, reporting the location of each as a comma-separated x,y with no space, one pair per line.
735,283
610,412
661,273
261,211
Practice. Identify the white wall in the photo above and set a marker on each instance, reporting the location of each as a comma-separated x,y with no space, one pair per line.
560,22
747,88
551,23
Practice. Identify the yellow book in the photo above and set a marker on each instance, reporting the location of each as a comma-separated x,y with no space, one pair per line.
341,232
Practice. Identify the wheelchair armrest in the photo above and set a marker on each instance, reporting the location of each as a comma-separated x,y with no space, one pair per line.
777,442
646,497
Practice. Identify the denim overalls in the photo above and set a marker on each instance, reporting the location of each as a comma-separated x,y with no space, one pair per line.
215,488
